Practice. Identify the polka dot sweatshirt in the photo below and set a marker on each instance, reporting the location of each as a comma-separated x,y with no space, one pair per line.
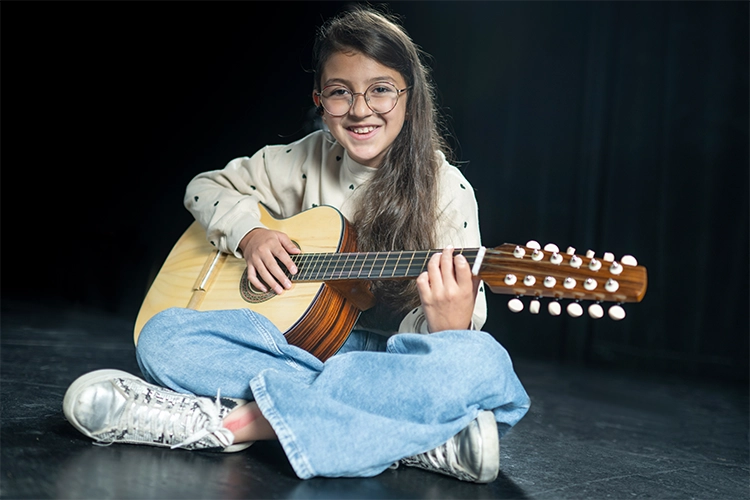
314,171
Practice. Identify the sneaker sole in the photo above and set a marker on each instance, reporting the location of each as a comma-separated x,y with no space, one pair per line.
490,447
105,375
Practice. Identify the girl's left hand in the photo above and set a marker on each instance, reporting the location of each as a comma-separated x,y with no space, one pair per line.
448,292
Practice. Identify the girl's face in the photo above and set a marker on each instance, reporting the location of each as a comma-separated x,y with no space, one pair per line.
365,135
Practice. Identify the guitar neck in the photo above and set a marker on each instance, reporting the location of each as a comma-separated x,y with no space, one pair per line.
367,265
507,269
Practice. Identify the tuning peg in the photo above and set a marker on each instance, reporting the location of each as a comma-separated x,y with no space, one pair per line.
608,257
529,280
510,279
534,306
556,258
629,260
569,283
590,254
537,255
533,244
576,261
611,285
551,247
615,268
554,308
515,305
595,265
616,312
574,309
570,251
589,284
549,282
596,311
519,252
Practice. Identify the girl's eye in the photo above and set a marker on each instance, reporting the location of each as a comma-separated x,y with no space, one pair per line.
383,89
337,92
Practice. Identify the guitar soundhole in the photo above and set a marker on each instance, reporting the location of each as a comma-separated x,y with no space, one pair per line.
251,294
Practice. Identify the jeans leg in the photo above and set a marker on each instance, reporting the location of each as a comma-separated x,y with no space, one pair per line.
205,352
366,410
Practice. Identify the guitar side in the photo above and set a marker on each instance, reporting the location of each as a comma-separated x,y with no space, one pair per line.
313,316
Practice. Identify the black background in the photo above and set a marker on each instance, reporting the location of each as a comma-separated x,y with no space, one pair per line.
615,126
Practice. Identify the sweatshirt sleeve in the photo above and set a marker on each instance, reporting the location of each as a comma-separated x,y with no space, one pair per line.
458,225
225,202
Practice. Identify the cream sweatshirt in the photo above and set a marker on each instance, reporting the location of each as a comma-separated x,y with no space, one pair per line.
314,171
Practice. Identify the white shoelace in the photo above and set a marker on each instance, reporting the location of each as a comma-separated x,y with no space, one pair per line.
437,458
441,459
154,422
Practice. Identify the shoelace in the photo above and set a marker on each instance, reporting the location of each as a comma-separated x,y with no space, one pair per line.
194,423
436,458
440,459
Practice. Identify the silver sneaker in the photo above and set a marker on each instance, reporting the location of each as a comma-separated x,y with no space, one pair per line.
112,406
471,455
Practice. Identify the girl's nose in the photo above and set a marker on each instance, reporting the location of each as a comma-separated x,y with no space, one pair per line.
359,106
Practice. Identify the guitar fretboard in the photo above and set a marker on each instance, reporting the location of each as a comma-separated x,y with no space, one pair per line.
367,265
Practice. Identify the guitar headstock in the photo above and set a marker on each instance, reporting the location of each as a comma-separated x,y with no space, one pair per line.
532,271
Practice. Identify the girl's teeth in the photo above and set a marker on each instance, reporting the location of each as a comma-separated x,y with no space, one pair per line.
365,130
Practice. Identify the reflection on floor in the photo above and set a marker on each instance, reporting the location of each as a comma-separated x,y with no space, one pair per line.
589,434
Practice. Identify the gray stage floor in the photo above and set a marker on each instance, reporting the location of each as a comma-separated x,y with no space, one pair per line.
589,434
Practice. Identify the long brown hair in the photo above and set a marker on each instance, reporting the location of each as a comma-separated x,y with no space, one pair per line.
399,209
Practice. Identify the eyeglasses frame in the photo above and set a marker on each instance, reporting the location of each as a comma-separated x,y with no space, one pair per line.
367,101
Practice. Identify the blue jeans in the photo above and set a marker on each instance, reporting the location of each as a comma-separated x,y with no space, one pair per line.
376,401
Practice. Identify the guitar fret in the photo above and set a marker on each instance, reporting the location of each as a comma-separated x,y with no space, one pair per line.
354,257
408,266
395,266
314,264
297,259
372,266
402,268
426,258
330,269
317,269
382,267
330,260
339,273
364,260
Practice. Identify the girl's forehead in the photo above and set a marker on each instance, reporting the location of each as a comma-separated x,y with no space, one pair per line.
357,68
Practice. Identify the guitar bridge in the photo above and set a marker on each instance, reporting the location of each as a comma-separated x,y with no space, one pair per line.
206,277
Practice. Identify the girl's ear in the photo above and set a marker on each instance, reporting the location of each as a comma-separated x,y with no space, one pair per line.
318,106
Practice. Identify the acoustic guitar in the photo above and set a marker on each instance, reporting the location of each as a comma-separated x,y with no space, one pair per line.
331,287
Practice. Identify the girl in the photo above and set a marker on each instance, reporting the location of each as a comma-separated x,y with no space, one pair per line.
416,382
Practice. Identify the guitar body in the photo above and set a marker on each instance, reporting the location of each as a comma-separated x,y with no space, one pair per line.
312,315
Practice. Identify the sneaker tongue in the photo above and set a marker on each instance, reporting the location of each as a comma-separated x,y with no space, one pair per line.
99,407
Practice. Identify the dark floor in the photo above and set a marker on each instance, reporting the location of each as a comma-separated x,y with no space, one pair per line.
589,434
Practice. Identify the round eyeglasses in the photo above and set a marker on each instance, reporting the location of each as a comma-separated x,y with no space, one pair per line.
380,97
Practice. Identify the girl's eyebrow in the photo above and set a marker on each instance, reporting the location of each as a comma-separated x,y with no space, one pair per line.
347,83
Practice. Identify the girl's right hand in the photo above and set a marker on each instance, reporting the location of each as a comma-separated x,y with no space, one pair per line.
261,248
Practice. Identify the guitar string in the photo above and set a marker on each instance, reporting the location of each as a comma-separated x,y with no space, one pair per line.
332,266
